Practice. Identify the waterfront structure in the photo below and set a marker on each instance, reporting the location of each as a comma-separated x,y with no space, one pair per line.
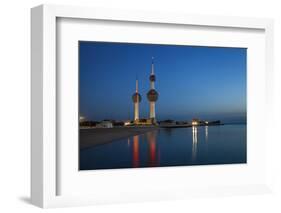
105,124
143,121
152,95
195,122
82,118
136,99
167,123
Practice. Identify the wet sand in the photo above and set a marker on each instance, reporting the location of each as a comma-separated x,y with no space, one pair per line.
97,136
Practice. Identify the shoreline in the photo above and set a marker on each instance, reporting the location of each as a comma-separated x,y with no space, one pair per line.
188,125
90,137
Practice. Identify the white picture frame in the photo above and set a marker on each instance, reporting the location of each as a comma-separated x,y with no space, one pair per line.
44,135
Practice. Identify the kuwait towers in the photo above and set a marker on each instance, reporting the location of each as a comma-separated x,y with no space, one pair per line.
152,94
136,99
152,97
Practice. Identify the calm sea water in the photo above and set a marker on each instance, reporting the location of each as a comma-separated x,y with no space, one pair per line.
171,147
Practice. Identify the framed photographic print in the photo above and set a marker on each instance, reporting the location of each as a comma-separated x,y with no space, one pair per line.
130,106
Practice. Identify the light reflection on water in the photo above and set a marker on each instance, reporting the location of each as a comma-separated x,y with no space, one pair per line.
194,142
176,147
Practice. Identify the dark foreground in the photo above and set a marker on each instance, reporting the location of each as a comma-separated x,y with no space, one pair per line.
202,145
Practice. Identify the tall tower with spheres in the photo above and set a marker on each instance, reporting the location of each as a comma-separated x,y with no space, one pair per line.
136,99
152,94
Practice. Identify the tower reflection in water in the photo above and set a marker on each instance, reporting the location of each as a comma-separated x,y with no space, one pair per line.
136,157
153,158
194,142
151,138
206,133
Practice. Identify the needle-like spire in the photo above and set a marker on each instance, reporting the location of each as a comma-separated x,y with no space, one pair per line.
137,84
152,65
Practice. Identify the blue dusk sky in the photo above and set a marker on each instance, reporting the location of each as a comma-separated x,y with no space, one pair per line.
192,81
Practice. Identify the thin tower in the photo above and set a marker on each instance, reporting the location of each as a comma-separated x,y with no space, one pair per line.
136,99
152,94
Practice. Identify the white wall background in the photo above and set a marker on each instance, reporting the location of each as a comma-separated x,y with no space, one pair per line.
15,105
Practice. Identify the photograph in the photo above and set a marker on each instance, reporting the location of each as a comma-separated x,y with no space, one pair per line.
160,105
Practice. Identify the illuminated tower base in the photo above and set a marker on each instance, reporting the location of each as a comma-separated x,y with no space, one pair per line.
136,109
152,111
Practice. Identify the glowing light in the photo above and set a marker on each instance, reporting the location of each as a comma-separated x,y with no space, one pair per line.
127,123
194,123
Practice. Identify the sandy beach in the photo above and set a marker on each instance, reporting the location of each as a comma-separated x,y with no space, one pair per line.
97,136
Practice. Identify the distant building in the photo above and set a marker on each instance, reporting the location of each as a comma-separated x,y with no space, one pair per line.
105,124
195,122
181,122
88,123
82,118
168,123
118,123
217,122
